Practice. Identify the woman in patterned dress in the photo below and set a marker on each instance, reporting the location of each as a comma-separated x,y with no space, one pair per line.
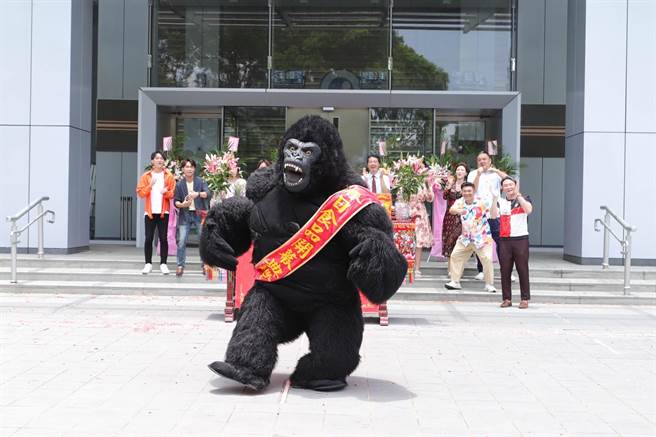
451,226
424,235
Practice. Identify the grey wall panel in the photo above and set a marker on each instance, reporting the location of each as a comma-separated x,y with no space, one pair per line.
531,185
553,199
108,188
15,45
605,66
51,63
135,66
555,52
79,188
575,66
574,205
641,67
14,149
640,183
81,59
110,49
603,184
49,175
530,50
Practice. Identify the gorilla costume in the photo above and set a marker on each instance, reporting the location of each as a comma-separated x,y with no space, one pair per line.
321,297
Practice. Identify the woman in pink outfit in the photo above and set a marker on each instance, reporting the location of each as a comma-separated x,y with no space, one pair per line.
424,235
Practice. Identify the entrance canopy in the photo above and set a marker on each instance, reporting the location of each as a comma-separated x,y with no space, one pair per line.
152,99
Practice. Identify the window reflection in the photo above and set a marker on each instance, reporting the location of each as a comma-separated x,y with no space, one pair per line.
451,44
212,43
401,130
330,45
259,131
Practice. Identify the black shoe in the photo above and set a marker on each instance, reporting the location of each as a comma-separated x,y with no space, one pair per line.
241,375
321,384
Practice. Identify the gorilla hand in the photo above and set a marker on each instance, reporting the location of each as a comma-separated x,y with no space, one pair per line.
226,233
214,251
377,267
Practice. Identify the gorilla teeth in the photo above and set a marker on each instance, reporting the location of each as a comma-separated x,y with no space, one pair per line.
294,168
293,184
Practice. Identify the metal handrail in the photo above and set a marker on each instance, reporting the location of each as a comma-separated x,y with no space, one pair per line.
626,242
14,232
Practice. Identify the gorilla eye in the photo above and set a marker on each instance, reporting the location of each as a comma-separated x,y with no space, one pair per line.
308,152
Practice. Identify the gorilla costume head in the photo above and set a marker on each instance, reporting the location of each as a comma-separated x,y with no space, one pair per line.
311,159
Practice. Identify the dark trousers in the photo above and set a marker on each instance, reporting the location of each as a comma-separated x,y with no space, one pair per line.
494,230
514,252
162,224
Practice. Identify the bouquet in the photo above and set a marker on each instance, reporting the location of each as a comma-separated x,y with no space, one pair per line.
172,166
409,175
216,170
438,174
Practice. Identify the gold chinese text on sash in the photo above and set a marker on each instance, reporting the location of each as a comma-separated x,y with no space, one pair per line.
331,216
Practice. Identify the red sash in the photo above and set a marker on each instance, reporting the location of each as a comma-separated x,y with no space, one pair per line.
331,216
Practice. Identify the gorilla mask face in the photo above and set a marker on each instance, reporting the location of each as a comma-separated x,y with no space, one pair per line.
298,160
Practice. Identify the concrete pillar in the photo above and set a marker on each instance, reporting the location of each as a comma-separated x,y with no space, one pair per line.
611,108
45,125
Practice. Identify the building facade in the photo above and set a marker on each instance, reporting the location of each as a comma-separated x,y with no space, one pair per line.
88,105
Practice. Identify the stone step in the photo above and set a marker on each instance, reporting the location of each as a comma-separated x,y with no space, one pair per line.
563,284
434,269
413,292
195,277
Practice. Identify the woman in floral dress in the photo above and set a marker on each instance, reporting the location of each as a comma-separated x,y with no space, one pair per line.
451,226
423,231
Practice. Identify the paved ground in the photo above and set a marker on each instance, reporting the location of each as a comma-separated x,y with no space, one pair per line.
73,365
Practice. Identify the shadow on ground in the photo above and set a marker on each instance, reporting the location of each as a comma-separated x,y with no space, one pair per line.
362,388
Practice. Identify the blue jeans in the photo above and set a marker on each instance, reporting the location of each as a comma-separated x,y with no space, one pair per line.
191,221
494,230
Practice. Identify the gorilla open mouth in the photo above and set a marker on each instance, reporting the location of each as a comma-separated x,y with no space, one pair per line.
293,174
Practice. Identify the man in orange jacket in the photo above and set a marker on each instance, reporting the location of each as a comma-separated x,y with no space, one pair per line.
156,187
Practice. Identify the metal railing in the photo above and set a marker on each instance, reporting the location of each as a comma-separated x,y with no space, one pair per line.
626,243
14,233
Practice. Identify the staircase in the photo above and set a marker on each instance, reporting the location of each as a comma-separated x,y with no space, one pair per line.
107,269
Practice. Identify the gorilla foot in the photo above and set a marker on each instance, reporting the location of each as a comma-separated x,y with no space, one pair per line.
321,384
239,374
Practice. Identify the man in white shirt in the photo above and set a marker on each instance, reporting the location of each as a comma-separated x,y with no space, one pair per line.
487,180
376,181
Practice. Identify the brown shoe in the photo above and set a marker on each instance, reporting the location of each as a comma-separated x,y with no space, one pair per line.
506,303
179,271
523,304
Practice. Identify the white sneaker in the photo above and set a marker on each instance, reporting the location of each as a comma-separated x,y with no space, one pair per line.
164,269
452,285
147,269
480,276
513,278
490,288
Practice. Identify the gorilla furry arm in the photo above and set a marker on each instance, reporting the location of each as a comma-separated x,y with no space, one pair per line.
226,234
376,266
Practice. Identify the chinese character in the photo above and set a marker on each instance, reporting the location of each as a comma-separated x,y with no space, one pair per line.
273,266
341,204
287,257
303,247
327,217
313,237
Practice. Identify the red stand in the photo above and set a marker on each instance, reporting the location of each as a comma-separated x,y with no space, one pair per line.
240,282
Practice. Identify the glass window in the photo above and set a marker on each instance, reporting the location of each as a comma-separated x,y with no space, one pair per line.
216,44
259,131
464,133
401,131
330,44
451,44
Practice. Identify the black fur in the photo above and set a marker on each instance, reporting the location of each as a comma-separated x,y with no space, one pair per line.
320,298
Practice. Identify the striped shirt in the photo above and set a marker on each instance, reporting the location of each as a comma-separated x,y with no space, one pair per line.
513,220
